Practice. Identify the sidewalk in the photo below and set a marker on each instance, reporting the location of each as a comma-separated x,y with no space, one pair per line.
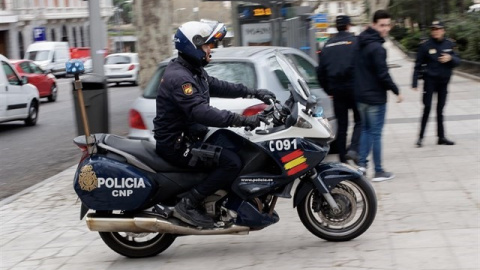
428,216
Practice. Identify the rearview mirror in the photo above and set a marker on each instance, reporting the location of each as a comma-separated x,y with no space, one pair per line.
24,80
311,105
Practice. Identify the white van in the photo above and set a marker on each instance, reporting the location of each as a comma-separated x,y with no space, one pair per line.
19,100
49,55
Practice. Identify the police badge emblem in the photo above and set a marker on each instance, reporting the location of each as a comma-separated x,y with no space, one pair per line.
87,178
432,51
187,89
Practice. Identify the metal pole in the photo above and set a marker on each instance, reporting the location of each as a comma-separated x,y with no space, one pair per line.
97,37
236,25
81,104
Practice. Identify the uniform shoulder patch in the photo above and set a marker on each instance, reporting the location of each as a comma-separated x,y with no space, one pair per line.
187,89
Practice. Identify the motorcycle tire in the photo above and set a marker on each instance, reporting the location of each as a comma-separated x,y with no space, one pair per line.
124,243
323,221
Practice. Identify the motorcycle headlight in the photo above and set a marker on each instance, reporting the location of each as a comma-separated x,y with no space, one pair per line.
326,124
302,123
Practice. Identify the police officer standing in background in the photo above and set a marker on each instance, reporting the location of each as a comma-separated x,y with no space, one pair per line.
184,115
335,75
439,58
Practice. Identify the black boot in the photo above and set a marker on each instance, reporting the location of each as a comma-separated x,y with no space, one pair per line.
419,142
188,210
445,141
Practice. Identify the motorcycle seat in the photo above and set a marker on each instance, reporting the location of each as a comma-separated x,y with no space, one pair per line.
143,151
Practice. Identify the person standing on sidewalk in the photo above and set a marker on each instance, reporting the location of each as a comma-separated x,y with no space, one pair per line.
439,58
372,81
335,74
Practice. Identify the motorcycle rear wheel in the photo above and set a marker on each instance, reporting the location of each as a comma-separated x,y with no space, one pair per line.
137,245
352,197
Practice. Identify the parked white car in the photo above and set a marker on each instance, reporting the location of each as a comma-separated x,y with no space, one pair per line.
122,67
255,67
19,100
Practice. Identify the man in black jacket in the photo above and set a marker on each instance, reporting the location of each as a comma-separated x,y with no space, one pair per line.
335,75
372,81
439,58
184,112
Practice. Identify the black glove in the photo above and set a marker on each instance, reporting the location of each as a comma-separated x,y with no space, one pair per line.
264,95
252,121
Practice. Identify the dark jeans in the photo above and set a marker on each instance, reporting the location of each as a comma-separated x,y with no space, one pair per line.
373,119
434,85
341,104
220,177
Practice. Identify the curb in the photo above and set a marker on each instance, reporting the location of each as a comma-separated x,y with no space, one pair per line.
36,186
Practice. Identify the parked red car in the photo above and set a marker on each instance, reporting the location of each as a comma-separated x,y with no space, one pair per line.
44,81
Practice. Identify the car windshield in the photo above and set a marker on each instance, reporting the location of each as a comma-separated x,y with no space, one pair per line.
38,55
117,60
234,72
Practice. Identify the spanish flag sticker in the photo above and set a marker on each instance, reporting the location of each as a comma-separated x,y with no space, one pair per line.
187,89
294,162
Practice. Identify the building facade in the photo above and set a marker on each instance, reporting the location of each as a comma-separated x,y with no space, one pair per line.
22,22
354,9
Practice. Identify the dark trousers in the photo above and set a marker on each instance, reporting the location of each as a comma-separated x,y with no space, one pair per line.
430,86
221,176
343,103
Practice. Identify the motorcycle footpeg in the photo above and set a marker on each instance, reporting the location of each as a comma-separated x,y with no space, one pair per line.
163,211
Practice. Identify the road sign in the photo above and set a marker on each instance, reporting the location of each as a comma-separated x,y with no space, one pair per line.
320,18
39,34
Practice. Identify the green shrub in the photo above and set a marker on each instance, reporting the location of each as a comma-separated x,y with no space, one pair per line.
398,32
467,35
412,40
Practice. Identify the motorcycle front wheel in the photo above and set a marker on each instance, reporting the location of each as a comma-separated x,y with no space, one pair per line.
358,207
137,245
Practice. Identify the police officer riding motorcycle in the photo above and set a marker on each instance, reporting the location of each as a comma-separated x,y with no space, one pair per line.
184,113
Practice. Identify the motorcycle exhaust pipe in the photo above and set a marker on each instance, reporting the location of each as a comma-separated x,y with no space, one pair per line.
154,224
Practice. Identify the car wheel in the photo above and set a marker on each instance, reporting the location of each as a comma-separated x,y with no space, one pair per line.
53,93
32,114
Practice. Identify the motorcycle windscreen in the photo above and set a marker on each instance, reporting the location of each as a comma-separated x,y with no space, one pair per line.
298,86
106,184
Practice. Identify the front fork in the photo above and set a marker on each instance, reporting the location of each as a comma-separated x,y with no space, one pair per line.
324,178
320,185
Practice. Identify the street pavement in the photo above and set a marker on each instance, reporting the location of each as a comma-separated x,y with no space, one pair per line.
428,216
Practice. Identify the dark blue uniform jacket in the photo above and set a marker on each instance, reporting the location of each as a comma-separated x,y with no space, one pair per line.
428,54
335,71
372,80
183,101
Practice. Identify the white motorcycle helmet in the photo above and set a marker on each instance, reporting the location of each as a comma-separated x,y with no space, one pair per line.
190,37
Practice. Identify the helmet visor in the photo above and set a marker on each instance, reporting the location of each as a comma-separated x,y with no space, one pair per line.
218,33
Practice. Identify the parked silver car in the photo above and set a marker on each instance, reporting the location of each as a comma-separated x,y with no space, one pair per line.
255,67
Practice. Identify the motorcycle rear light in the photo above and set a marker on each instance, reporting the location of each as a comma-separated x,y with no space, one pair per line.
84,154
135,120
131,67
255,109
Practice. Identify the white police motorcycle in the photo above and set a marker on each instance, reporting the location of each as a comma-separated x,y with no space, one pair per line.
128,192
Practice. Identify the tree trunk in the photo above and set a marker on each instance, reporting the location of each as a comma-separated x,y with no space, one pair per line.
153,22
461,7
